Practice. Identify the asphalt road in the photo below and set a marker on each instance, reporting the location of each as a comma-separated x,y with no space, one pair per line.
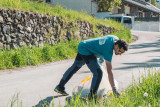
34,85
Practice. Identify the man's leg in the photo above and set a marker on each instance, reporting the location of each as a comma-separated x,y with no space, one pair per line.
93,65
78,63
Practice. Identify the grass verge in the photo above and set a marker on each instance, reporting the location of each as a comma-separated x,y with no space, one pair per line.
33,56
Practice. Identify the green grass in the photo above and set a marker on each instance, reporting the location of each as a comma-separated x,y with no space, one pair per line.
145,93
26,56
124,34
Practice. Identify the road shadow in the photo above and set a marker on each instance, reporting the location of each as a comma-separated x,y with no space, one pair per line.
149,64
156,50
47,101
145,45
154,62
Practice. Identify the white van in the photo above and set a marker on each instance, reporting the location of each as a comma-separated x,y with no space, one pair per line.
128,21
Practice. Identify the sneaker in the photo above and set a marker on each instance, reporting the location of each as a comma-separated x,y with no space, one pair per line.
92,97
61,91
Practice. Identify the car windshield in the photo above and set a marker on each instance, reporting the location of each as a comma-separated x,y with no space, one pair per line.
127,20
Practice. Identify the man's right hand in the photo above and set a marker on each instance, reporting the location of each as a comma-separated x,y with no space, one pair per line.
116,93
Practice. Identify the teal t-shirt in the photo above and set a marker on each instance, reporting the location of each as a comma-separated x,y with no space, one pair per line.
102,47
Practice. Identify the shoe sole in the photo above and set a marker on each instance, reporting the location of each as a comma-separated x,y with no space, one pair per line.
60,92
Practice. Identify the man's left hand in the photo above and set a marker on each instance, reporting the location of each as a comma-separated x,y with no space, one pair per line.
101,60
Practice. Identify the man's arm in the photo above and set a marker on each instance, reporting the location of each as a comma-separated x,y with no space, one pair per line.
110,77
110,74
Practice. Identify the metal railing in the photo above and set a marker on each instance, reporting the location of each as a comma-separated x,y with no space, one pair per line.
147,19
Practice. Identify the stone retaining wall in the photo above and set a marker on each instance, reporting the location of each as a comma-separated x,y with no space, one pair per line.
18,29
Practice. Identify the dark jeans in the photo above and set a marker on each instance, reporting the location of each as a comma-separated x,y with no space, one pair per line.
92,64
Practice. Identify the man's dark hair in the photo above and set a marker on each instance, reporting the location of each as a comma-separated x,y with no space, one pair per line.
122,43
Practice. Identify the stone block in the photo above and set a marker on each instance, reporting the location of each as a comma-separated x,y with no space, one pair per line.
8,47
1,19
14,46
5,15
8,38
18,15
40,44
6,29
1,45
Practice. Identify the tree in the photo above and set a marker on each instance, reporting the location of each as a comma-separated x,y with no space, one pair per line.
107,5
154,2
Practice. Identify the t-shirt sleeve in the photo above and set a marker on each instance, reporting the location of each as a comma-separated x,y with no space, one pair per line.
108,57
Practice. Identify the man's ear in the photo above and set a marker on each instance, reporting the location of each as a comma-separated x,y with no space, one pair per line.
116,46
